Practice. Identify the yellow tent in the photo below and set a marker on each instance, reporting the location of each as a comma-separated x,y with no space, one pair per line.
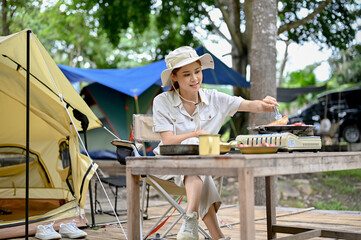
59,174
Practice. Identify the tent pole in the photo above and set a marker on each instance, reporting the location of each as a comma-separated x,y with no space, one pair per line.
27,133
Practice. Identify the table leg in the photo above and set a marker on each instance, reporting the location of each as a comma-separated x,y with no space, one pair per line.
246,203
133,202
271,206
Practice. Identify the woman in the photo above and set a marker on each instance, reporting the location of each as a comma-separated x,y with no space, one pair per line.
187,111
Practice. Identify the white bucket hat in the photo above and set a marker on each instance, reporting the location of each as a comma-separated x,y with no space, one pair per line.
181,57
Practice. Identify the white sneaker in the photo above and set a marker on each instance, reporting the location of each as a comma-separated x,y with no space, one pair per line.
227,238
189,229
46,232
70,230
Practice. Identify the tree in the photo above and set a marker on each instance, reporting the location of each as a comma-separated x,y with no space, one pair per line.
325,21
74,37
346,67
178,22
263,66
13,12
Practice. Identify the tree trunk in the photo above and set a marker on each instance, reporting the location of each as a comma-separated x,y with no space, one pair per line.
5,30
263,67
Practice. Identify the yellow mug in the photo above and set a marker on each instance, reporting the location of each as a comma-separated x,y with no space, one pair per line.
209,144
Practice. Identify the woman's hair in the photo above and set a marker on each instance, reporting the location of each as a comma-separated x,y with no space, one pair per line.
175,85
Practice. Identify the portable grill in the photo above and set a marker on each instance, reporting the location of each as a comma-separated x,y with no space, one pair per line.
285,141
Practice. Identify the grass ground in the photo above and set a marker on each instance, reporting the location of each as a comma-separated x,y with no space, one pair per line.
331,191
326,191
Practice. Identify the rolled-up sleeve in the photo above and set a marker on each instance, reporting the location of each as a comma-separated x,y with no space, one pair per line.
161,119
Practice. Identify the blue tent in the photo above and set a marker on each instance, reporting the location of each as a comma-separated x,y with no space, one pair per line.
134,81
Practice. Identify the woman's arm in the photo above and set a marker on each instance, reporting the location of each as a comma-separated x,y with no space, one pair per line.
169,138
257,106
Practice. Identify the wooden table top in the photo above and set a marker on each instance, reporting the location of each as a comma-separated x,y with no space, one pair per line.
262,164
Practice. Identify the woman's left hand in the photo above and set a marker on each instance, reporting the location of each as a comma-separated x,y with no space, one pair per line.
257,106
268,103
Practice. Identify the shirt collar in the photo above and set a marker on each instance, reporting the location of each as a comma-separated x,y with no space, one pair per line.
203,96
176,101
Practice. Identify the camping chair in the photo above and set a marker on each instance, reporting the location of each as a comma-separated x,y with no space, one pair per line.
113,182
117,182
142,132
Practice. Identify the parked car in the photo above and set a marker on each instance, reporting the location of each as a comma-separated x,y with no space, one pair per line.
337,114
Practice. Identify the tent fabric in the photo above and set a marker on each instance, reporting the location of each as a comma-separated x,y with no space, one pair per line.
135,81
290,94
45,77
115,110
58,172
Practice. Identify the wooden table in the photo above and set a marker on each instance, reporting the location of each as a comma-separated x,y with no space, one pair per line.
245,167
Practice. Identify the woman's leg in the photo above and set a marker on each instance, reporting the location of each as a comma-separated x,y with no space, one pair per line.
210,219
193,186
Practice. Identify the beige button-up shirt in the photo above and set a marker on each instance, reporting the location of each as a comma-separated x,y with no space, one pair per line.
169,113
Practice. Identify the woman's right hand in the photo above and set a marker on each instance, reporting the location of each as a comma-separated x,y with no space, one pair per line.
200,132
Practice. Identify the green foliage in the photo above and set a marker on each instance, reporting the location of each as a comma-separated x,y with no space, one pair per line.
225,193
342,182
334,182
116,16
73,34
354,174
16,14
300,78
333,26
343,186
176,23
177,20
295,203
332,205
121,33
346,67
168,21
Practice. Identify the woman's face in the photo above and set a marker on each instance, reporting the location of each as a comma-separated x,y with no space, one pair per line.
189,77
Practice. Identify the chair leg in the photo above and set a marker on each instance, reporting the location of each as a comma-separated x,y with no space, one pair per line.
116,199
95,196
147,205
96,202
144,212
173,224
162,217
176,205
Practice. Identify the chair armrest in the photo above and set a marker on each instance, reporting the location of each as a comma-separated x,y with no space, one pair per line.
122,143
124,149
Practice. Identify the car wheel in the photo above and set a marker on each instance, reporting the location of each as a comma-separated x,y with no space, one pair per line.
351,133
